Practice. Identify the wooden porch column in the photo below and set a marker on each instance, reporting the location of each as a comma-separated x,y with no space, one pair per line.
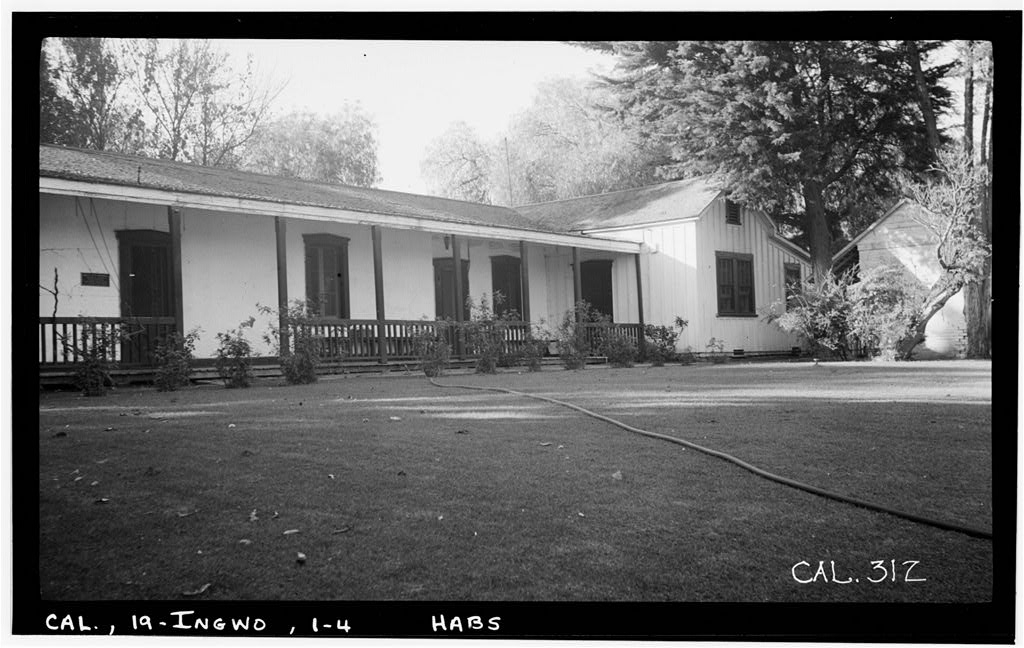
280,235
577,281
378,284
524,280
457,281
640,306
174,225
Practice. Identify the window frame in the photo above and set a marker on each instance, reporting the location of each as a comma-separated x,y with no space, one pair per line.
733,258
790,292
340,245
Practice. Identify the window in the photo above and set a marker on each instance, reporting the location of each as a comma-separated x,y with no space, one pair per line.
735,284
791,272
327,274
732,212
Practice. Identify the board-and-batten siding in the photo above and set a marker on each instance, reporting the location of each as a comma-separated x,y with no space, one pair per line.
680,278
752,236
900,240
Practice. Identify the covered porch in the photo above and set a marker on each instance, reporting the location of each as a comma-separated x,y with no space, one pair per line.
378,279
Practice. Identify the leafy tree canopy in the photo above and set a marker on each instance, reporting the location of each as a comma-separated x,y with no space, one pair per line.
811,132
339,148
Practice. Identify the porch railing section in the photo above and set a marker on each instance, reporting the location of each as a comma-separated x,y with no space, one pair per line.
596,333
121,340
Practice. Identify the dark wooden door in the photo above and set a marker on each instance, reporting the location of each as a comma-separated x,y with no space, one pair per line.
596,286
506,279
444,289
146,286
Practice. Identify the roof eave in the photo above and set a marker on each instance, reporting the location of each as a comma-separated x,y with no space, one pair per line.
113,191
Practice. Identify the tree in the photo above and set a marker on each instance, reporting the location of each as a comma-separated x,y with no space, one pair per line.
567,143
950,196
82,97
199,109
458,165
341,148
791,127
978,67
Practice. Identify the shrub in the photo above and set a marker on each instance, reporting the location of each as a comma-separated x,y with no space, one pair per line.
716,350
486,335
661,341
96,350
234,356
574,343
820,314
618,348
884,309
433,348
174,360
298,363
532,352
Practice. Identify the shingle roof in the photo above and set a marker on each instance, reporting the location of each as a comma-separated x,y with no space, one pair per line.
651,204
136,171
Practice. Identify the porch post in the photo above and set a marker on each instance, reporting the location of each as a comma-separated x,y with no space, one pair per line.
457,280
174,225
640,306
378,284
577,280
524,280
280,235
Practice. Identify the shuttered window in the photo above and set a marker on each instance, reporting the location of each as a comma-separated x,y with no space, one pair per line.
327,290
732,212
735,279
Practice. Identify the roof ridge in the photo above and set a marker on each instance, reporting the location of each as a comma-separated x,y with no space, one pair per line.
609,193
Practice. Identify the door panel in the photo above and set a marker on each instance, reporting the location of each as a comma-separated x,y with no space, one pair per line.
444,303
596,286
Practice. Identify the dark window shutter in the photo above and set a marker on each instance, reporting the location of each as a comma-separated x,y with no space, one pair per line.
732,212
725,286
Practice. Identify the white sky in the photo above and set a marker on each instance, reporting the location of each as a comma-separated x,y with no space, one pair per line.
414,90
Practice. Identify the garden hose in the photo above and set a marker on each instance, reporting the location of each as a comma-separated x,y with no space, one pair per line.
913,517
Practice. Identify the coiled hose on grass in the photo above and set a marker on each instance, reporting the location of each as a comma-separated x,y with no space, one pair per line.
839,497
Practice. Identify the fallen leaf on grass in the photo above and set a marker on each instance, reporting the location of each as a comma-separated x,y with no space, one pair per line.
95,483
79,478
330,476
103,461
344,529
561,447
546,443
231,425
461,431
617,474
187,513
62,433
109,429
291,531
394,418
102,500
252,516
366,420
580,513
300,558
245,541
199,591
274,516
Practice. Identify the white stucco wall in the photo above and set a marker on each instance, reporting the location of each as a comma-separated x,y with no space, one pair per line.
901,241
65,243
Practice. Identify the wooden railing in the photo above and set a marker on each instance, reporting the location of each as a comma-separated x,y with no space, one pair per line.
122,340
132,341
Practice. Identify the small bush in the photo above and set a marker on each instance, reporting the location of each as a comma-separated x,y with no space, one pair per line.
884,309
620,350
716,350
486,335
234,356
174,360
661,341
433,348
574,344
820,314
532,353
298,363
96,351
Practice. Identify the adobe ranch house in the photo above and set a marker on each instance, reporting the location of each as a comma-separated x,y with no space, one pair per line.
164,246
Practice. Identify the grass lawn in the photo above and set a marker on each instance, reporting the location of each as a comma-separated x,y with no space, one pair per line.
395,489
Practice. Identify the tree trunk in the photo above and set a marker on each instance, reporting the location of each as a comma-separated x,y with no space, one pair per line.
819,237
923,97
969,100
939,294
978,293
